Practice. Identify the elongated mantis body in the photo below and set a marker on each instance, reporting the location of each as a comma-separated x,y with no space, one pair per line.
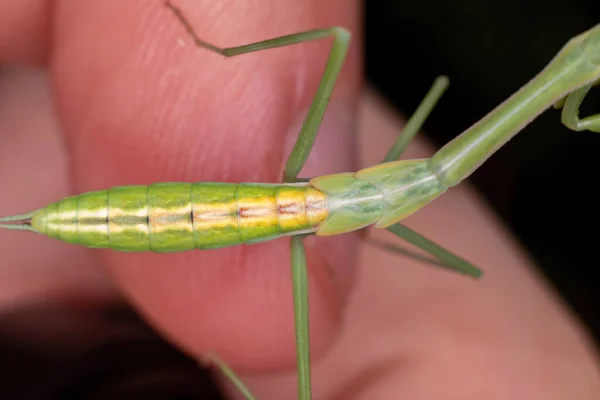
166,217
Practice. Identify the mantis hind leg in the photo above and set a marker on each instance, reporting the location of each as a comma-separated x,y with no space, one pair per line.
570,112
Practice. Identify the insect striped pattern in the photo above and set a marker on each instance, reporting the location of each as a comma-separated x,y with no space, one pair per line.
173,216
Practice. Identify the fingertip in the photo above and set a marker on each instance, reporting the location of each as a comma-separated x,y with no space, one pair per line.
140,104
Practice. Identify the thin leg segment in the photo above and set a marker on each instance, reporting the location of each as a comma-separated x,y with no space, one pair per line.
310,127
300,284
231,376
416,121
448,259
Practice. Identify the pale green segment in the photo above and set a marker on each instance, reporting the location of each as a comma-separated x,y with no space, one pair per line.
576,65
170,224
406,186
214,195
353,203
68,208
127,216
172,216
379,195
96,216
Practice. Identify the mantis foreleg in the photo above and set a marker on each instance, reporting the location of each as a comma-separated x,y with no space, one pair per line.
570,112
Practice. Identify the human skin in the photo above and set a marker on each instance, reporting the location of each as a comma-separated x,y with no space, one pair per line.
132,102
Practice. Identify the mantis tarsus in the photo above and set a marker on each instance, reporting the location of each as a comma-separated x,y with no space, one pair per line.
182,216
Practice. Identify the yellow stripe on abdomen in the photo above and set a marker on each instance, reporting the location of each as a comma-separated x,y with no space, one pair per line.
167,217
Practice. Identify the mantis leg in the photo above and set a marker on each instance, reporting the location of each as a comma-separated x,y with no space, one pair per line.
448,259
300,288
416,121
310,127
570,112
227,372
295,162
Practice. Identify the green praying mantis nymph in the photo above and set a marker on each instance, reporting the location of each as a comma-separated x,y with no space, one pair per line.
179,216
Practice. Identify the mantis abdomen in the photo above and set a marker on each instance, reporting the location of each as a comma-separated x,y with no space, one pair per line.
167,217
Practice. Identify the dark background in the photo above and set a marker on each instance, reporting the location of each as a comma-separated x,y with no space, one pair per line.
543,182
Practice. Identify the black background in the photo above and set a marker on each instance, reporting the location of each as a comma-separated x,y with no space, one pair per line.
544,182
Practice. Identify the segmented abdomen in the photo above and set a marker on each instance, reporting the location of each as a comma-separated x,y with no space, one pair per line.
167,217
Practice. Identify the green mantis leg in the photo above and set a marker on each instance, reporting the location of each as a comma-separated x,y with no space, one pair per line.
300,288
416,121
310,127
295,162
228,373
570,112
